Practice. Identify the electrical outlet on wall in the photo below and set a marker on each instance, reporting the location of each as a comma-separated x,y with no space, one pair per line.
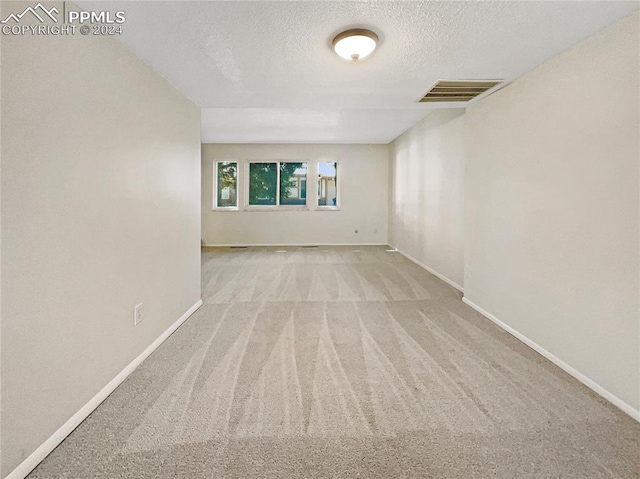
137,314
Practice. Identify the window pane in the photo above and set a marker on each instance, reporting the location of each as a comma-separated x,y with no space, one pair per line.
227,184
291,176
327,184
263,179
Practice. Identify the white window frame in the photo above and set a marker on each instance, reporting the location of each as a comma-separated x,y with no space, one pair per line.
215,185
320,207
277,206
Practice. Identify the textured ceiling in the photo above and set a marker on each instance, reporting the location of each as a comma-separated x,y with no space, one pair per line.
277,56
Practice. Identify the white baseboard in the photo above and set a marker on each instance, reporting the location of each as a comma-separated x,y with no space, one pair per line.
431,270
257,245
616,401
67,428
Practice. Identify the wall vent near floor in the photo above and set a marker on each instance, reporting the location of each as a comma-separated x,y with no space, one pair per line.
458,90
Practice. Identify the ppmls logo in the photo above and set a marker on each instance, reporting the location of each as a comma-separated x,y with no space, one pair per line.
34,10
69,23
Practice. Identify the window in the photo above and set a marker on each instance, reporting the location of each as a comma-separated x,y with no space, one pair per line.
293,183
263,181
328,184
226,185
282,183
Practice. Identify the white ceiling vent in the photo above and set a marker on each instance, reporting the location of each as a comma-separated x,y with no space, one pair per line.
458,90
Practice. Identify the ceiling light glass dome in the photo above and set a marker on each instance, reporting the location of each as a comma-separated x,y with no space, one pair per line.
355,44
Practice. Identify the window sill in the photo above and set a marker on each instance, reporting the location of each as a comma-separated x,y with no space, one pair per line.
276,208
250,209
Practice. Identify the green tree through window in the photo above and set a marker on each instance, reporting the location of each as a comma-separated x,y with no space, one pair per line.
293,183
264,186
227,172
263,179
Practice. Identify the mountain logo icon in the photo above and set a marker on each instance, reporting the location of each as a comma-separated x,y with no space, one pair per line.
39,8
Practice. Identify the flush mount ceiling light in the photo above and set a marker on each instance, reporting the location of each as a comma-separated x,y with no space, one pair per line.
355,44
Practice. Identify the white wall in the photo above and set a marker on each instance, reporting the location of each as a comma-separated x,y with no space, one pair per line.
363,185
426,212
552,205
100,211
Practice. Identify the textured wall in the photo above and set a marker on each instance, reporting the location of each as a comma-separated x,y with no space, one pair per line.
551,228
426,216
100,212
362,179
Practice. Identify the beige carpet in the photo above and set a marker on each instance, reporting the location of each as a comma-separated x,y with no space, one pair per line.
345,362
